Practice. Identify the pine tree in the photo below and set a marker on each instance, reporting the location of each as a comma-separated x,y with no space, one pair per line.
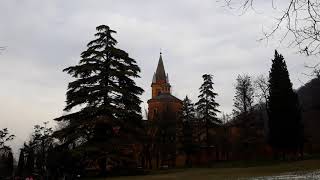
188,121
188,111
105,93
285,125
207,106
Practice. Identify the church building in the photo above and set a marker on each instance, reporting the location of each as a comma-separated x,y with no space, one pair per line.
162,104
163,115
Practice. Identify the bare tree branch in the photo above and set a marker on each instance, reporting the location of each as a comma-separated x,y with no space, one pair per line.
300,19
315,70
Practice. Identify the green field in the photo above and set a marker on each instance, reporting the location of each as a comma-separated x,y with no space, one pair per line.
226,171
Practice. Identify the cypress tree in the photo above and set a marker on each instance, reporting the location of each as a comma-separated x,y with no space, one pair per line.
10,163
30,161
285,124
21,164
207,106
105,94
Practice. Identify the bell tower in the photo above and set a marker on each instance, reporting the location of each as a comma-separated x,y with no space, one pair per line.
165,108
162,105
160,81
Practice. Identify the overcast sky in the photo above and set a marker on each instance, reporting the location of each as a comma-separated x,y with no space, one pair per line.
196,37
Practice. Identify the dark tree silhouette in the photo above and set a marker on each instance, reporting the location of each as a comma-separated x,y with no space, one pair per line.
310,101
36,152
207,105
188,122
261,85
5,137
188,110
107,96
42,143
244,97
21,164
6,157
30,162
285,125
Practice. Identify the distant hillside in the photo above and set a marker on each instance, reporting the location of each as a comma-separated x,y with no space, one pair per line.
309,96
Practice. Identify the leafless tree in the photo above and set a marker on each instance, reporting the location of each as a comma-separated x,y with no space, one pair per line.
225,118
244,98
315,71
300,19
261,85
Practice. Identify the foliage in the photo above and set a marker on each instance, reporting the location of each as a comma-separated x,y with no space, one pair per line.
188,123
107,96
5,137
285,125
6,162
6,156
207,106
309,97
21,164
33,158
188,110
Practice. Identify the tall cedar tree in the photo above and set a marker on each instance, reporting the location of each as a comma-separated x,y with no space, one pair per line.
188,117
285,124
105,93
244,97
207,106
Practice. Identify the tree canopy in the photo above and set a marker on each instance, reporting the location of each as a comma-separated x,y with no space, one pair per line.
103,100
207,105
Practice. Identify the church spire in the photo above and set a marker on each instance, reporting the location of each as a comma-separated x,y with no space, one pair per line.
160,82
160,74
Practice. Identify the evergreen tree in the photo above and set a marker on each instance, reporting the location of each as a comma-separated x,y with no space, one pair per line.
285,125
188,111
105,93
6,157
30,159
207,106
188,121
10,163
244,97
21,164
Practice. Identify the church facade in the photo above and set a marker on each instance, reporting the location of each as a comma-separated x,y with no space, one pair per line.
163,114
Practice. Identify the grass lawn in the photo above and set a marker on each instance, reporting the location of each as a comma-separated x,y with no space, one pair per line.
228,170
